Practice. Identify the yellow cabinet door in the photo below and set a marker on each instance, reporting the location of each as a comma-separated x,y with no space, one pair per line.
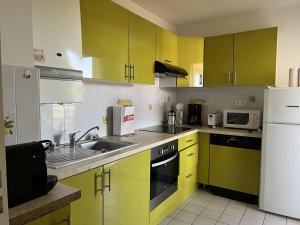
203,159
105,39
218,60
190,57
166,46
127,201
235,168
141,50
255,57
88,209
58,217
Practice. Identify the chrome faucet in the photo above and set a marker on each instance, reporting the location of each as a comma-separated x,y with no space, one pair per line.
72,136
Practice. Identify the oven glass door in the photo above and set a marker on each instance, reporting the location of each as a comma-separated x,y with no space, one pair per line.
238,118
164,177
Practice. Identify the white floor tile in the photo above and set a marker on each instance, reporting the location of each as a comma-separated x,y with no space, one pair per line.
254,217
236,204
219,223
165,221
199,202
233,211
177,222
174,213
193,208
186,217
204,221
228,219
246,222
211,214
273,219
217,206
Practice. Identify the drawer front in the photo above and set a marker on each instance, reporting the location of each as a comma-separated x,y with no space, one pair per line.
188,158
187,141
235,168
187,184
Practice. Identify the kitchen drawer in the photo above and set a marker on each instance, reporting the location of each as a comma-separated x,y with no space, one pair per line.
188,158
187,141
234,168
187,184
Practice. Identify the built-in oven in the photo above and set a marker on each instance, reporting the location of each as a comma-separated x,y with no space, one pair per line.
164,172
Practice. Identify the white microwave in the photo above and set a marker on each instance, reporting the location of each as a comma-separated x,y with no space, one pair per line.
242,119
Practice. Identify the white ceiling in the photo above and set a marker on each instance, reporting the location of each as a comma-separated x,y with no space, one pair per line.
186,11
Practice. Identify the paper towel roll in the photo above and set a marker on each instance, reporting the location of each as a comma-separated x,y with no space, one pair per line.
293,81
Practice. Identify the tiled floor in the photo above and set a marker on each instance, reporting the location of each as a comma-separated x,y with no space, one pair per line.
205,208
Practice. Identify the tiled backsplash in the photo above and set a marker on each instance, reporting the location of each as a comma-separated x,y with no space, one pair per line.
57,121
21,103
218,99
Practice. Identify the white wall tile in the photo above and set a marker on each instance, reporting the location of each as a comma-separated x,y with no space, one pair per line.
26,84
8,84
27,102
28,126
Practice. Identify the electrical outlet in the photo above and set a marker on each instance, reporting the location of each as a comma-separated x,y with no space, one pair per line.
252,99
104,120
240,102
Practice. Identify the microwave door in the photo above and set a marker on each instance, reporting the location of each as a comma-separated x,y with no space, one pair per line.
238,119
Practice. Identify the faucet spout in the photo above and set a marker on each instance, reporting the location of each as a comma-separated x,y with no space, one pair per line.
89,130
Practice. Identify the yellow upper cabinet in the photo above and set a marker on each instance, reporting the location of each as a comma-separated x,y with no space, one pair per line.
105,38
190,57
241,59
218,60
141,50
166,46
255,57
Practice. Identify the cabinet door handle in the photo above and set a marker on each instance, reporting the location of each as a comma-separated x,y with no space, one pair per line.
126,71
101,189
188,176
67,220
229,78
234,78
191,154
189,140
109,180
168,61
131,72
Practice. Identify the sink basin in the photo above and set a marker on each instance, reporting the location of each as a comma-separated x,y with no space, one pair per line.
105,146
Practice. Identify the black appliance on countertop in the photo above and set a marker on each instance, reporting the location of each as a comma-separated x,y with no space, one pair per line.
164,172
194,114
166,129
27,172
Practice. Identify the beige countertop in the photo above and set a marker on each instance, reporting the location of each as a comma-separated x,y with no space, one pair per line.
145,140
60,196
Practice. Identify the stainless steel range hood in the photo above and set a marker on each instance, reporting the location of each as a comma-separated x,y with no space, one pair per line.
165,70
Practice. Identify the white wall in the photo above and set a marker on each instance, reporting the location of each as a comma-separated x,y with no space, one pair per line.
16,31
218,99
60,120
286,19
135,8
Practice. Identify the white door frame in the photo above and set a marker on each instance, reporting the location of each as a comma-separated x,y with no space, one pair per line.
3,190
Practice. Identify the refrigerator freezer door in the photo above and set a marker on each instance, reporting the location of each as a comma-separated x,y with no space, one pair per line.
282,105
280,170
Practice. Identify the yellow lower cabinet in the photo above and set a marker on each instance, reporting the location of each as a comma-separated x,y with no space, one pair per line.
88,209
203,158
58,217
187,141
187,180
164,209
235,169
127,195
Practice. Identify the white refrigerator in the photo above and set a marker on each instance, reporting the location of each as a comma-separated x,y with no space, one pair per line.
280,162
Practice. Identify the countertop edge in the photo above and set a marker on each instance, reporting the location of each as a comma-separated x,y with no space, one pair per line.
27,212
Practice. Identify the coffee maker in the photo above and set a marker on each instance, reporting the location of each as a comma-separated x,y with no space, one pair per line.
194,114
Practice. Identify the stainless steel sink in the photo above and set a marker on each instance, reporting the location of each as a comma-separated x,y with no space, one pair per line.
105,146
63,156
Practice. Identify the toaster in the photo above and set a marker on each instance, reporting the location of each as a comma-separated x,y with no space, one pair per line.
215,119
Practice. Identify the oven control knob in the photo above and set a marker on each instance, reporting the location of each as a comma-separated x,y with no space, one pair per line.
161,152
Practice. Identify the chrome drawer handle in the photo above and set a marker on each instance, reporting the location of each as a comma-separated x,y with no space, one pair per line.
191,154
109,180
189,140
101,177
188,176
